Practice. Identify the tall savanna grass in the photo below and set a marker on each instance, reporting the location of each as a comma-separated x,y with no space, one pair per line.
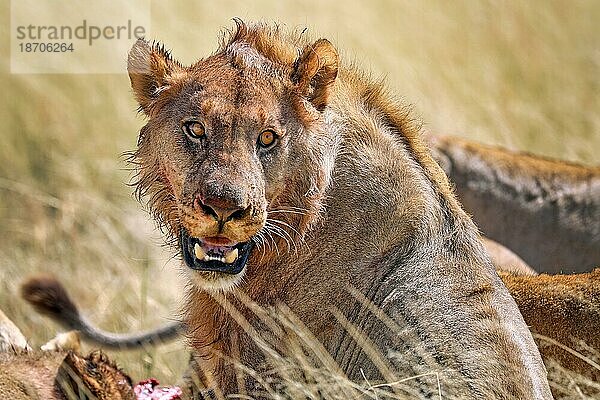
525,75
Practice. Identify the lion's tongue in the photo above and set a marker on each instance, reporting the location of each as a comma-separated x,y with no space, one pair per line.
225,255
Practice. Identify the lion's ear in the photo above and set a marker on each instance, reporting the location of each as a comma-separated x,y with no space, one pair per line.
315,72
148,66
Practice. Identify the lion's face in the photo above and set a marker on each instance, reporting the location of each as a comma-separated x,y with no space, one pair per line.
224,155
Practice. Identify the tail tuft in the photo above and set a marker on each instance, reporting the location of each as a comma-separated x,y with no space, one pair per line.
49,298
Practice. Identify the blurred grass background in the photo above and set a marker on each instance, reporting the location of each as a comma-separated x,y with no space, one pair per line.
525,75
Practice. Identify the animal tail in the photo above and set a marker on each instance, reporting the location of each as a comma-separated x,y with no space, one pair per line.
49,298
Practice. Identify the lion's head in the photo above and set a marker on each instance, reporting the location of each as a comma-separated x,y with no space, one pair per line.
234,156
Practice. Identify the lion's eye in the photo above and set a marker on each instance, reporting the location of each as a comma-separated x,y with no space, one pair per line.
193,129
267,138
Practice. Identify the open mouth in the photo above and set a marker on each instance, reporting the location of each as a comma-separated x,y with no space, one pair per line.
202,255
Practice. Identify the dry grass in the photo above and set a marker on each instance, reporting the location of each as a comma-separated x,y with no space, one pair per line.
522,74
296,365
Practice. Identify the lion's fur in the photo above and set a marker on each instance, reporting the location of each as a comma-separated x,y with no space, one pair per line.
566,309
378,216
547,211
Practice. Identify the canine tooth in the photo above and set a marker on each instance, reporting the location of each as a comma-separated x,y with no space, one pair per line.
199,252
231,256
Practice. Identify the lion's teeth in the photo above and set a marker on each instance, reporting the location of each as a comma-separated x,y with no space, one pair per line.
231,256
199,252
213,258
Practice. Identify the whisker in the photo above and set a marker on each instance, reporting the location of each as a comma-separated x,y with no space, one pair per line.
285,233
282,233
287,211
292,208
284,224
268,232
261,243
277,231
300,237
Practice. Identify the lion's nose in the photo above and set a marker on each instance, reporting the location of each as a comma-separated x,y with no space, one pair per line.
219,209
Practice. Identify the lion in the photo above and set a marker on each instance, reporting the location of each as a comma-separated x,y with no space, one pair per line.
285,178
547,211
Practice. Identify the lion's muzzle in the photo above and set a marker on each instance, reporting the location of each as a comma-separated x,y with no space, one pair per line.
202,255
222,209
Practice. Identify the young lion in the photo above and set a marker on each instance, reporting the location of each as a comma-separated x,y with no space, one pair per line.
287,178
